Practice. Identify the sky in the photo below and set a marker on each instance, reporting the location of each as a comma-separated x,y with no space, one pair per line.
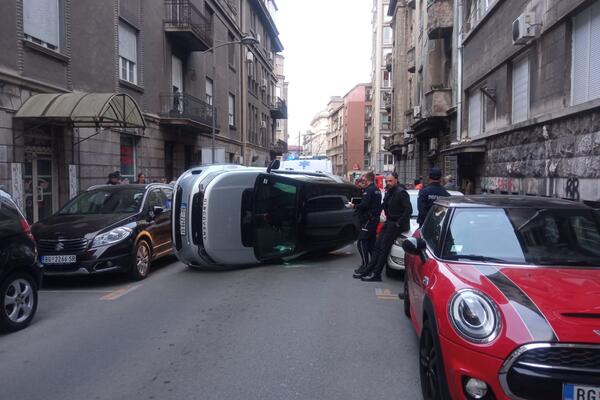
327,52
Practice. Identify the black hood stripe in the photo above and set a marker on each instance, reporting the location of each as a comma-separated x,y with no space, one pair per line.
532,317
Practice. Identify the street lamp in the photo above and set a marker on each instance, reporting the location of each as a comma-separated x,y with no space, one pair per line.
247,40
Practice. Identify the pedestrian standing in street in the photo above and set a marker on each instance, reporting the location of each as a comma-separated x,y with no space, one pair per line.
430,194
368,210
141,179
397,208
114,178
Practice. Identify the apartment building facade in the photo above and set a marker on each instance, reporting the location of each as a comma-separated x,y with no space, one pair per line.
335,135
381,83
281,97
315,140
135,89
425,92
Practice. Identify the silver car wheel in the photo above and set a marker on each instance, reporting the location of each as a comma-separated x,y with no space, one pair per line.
19,300
142,259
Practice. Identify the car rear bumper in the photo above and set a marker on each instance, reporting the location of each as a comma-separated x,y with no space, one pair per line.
462,363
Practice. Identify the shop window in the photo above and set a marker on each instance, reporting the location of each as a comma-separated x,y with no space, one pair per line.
128,159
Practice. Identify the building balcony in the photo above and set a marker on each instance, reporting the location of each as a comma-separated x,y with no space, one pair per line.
186,26
410,60
279,148
409,117
279,110
440,18
335,150
388,62
437,103
184,110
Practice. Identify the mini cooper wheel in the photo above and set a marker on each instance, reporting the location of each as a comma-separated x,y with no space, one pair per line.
141,260
18,302
406,298
431,367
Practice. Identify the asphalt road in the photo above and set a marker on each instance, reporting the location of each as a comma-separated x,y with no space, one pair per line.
306,330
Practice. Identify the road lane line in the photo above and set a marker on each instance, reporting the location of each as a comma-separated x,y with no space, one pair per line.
388,297
385,294
119,293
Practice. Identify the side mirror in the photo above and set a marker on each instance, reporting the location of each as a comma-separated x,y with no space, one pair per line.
414,246
275,164
158,210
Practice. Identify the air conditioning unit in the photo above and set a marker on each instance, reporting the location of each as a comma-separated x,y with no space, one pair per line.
263,124
524,28
433,144
417,112
265,82
249,57
411,148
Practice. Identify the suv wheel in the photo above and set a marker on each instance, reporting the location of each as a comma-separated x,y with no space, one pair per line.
18,302
141,260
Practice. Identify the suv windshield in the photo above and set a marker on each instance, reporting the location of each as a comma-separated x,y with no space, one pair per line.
525,236
103,201
275,216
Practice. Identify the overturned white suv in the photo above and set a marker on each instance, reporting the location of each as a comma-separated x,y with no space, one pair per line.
229,215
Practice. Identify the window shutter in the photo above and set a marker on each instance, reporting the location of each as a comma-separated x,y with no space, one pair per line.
128,42
475,114
581,52
594,64
41,20
520,91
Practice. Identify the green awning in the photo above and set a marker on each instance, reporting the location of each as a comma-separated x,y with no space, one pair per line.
84,109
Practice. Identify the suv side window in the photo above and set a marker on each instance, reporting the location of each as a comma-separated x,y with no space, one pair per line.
168,199
432,228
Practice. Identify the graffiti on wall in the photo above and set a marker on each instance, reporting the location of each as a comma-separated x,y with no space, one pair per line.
572,189
577,189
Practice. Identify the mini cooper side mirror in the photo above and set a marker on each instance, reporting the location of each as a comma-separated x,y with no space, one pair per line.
414,246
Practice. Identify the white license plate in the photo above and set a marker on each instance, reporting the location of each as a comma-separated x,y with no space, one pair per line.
58,259
580,392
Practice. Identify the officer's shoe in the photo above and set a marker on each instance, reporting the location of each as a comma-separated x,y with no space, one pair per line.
359,273
371,278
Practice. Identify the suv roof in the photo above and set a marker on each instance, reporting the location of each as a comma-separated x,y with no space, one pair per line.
509,201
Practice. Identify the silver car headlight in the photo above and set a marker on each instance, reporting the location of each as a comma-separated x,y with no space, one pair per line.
112,236
475,316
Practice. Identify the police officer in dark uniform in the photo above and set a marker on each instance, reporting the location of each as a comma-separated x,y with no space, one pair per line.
397,208
429,194
368,211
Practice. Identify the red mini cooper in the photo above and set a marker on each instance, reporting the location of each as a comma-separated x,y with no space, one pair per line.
504,293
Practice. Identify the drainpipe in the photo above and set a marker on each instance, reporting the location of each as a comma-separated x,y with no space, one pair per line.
458,11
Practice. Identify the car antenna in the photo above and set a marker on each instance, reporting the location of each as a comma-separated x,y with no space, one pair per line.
274,165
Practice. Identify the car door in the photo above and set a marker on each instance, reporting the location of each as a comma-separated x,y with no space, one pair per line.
158,222
422,268
167,217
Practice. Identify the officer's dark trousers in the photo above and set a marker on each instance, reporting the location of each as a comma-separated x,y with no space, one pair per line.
383,246
366,243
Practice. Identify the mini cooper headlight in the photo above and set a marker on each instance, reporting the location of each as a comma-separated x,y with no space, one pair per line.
475,316
112,236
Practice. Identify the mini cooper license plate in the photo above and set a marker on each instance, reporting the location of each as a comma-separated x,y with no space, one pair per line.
580,392
58,259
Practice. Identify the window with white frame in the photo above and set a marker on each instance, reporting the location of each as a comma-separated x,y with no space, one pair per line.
477,9
127,53
475,113
41,22
231,110
209,91
585,85
387,35
520,90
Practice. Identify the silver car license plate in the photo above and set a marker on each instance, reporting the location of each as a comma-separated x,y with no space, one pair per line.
58,259
580,392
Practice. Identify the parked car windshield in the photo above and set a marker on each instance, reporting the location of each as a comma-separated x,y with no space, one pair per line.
525,236
105,201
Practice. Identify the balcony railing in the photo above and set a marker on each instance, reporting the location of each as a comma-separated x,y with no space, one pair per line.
185,109
279,110
187,26
440,18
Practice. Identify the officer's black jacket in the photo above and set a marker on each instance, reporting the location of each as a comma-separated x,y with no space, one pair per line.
397,207
370,206
427,196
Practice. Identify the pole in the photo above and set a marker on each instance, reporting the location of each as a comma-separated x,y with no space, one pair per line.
214,105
